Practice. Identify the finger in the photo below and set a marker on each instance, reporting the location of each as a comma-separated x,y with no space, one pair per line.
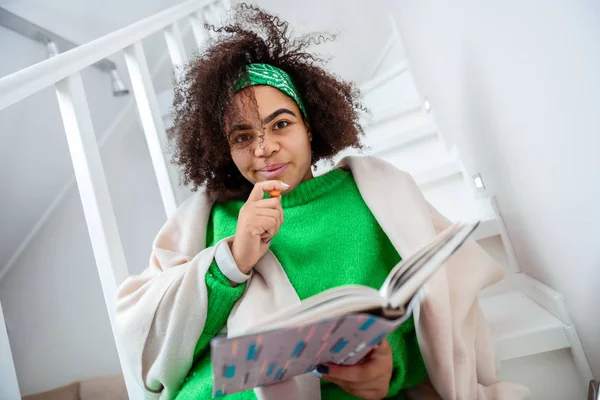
382,351
368,394
354,386
370,370
368,390
268,212
272,202
264,225
266,237
258,192
280,209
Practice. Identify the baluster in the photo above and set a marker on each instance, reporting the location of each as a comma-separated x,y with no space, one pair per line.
174,41
210,16
150,116
9,389
197,24
95,197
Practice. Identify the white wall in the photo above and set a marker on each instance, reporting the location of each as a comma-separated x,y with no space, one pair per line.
515,85
54,309
52,299
30,176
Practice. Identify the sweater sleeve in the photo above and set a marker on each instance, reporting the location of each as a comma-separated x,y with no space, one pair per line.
221,299
162,312
408,365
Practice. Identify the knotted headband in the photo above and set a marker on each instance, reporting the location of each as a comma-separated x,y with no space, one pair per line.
265,74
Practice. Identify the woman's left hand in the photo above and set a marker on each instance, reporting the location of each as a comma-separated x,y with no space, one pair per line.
369,380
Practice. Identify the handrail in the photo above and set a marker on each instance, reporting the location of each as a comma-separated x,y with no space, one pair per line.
28,81
35,32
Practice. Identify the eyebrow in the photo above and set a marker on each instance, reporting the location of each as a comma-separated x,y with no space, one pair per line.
277,113
240,127
269,118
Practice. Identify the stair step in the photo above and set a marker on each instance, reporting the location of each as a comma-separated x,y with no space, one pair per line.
521,327
488,227
390,114
384,77
506,285
438,173
393,89
389,143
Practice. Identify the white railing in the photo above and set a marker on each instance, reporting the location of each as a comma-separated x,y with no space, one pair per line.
64,73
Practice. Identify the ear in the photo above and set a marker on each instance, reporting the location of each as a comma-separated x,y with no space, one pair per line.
307,126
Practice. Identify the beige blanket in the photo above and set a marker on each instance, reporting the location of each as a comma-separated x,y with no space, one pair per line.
161,313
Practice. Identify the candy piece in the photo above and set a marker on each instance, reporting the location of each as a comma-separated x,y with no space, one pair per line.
274,193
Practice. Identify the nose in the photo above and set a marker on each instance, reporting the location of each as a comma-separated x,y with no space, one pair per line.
266,146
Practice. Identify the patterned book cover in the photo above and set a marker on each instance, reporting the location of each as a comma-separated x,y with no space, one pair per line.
265,358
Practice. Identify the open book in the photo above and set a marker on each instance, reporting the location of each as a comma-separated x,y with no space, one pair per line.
340,325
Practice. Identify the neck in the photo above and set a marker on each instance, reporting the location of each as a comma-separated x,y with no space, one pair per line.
308,175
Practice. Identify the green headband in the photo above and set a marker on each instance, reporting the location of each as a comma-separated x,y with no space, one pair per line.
265,74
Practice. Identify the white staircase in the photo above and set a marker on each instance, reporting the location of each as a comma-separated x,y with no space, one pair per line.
529,321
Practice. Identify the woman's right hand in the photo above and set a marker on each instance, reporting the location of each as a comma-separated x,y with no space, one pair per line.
258,222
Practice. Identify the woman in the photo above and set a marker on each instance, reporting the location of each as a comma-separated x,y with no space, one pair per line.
252,115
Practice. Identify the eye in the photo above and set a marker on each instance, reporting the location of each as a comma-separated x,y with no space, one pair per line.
241,139
280,125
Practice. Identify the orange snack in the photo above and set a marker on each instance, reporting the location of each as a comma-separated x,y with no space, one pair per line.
274,193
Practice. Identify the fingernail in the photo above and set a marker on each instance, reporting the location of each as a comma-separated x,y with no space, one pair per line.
285,185
323,369
317,374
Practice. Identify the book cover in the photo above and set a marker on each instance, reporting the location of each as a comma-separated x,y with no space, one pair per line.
266,358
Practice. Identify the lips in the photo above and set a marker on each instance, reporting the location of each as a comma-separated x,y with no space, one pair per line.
273,171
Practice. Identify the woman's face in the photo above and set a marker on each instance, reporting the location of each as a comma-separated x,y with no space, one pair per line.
273,145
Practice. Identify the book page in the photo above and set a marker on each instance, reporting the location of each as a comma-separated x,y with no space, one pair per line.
328,304
401,287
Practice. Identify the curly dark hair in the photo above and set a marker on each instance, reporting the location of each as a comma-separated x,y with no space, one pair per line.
205,93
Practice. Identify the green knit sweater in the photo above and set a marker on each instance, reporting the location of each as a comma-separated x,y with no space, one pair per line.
329,238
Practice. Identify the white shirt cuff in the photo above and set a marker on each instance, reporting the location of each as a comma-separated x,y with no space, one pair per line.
227,264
